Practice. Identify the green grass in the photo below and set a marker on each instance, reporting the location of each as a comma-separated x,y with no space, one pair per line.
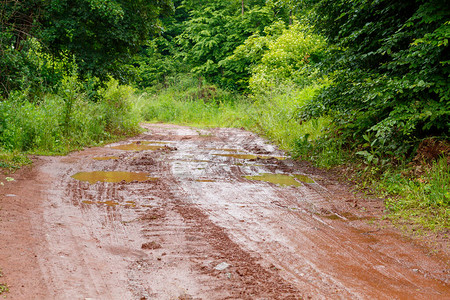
274,117
423,200
3,286
67,119
13,160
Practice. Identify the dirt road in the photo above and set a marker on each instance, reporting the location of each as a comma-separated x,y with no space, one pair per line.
183,213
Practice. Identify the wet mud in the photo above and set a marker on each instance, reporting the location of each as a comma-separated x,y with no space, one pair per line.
105,157
137,147
185,213
250,156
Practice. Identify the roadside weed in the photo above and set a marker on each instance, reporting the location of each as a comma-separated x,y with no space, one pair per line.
424,199
13,160
3,286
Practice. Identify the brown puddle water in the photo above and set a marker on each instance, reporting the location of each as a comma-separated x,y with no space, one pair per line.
226,150
347,216
138,146
114,176
105,157
282,179
205,180
108,203
154,142
251,156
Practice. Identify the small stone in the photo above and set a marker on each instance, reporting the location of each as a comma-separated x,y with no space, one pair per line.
222,266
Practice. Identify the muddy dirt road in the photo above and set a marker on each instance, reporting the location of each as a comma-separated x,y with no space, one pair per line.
183,213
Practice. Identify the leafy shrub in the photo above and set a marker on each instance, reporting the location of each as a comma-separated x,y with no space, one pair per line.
238,67
117,107
213,31
290,58
66,120
29,69
389,72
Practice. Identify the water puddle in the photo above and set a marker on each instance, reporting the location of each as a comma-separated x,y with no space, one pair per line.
282,179
225,150
114,176
88,202
139,146
303,178
130,204
205,180
332,217
105,157
154,142
345,216
107,203
251,156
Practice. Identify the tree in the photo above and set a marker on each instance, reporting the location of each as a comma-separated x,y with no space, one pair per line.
100,34
389,70
215,29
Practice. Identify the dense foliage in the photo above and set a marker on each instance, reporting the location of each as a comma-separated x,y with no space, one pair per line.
56,62
101,35
390,71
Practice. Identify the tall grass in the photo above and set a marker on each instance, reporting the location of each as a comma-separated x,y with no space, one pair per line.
66,120
276,116
424,200
273,116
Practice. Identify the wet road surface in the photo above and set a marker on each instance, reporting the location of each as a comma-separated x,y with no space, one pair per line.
185,213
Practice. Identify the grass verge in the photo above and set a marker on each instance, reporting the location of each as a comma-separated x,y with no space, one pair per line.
13,160
3,286
66,120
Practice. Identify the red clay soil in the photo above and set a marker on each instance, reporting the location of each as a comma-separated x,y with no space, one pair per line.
201,227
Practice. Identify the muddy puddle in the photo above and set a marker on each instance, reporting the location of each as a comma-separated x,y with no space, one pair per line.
142,145
345,216
250,156
224,150
106,158
282,179
155,142
110,203
114,177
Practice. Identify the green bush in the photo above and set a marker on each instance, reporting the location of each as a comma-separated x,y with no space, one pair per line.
389,71
66,120
291,58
